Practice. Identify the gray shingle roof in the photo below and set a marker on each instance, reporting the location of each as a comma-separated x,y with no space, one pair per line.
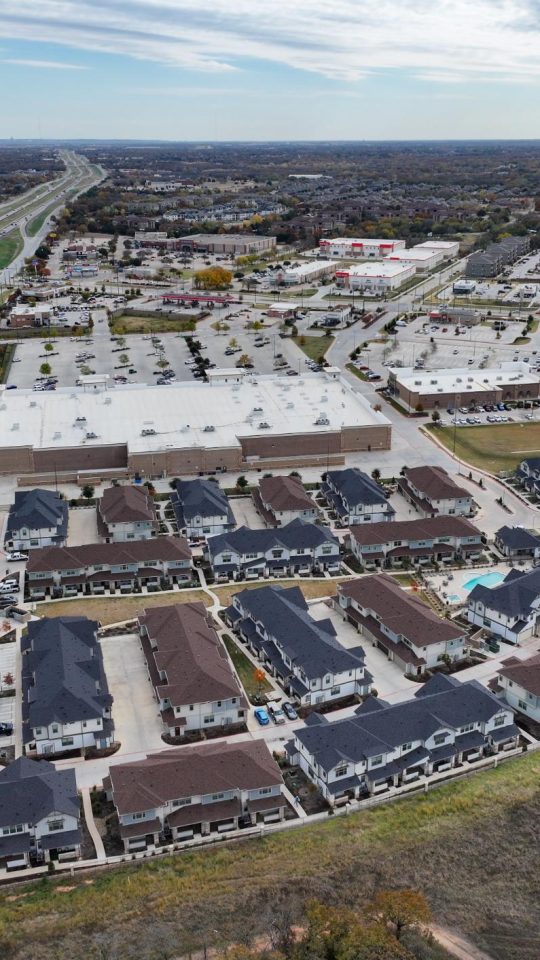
378,731
517,538
62,667
38,510
32,789
355,486
513,597
199,498
295,535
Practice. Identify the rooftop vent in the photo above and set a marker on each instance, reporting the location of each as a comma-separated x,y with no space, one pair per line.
14,426
91,435
32,403
209,429
264,425
148,432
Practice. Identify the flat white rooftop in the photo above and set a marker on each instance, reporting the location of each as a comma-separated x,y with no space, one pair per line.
182,414
414,253
437,245
360,242
463,379
382,268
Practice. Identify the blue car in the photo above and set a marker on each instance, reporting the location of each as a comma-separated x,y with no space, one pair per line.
261,716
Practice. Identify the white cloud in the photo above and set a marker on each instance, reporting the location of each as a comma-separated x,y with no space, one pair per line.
339,39
44,64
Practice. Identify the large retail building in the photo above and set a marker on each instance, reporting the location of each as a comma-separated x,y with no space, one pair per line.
442,389
235,422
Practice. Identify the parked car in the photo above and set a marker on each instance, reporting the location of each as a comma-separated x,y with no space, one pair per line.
277,714
289,711
13,555
8,585
261,716
6,728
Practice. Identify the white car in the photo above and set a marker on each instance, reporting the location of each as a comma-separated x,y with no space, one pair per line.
14,555
8,586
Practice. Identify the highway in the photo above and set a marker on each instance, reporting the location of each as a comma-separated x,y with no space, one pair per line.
49,197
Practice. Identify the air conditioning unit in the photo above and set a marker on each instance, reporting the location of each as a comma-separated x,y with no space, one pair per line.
209,429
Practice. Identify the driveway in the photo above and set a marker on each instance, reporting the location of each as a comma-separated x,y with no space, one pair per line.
388,680
82,527
245,513
135,712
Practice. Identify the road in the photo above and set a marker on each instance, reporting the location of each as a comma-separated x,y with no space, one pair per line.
78,178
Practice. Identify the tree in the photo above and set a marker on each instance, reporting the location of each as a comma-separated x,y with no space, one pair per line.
49,347
233,343
243,360
124,359
401,908
213,278
259,676
376,474
241,483
88,491
45,369
162,363
435,416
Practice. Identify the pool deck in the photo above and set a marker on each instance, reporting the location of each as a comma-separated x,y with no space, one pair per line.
451,585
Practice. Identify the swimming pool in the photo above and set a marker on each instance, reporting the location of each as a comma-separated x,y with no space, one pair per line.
486,580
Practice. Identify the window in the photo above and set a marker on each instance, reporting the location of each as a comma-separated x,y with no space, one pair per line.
208,719
54,728
191,706
376,761
55,825
334,691
138,816
521,706
67,741
405,747
218,796
181,803
265,790
499,721
341,770
440,738
327,549
219,703
467,728
8,830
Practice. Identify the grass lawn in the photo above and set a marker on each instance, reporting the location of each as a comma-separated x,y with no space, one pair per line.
10,245
352,368
245,669
494,448
314,347
116,609
34,225
127,324
470,847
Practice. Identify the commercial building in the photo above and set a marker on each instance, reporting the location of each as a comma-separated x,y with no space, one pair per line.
190,428
24,315
447,248
509,611
37,518
463,287
280,500
302,653
433,493
400,624
349,247
422,258
306,272
39,814
298,547
238,244
66,704
375,278
197,791
193,679
444,389
95,568
446,725
127,513
436,539
355,497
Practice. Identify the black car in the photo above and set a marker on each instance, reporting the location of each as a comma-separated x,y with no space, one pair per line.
6,729
289,711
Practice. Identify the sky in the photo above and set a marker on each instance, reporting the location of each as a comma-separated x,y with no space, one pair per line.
270,69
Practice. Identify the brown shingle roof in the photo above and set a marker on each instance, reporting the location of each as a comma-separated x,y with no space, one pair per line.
285,493
526,673
403,613
136,551
192,771
434,483
428,529
186,646
127,505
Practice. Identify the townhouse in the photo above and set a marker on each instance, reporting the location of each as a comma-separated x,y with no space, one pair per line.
195,792
446,724
95,568
517,543
355,497
441,539
301,652
39,814
279,500
405,628
298,547
518,683
126,513
66,704
194,682
37,518
432,492
510,610
528,474
201,508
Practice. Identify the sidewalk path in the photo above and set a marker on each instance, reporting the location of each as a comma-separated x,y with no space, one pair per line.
91,824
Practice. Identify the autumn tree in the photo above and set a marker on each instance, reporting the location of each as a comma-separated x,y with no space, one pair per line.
213,278
401,909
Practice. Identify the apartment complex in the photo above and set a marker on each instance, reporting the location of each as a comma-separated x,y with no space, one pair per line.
438,539
298,547
126,513
37,518
432,492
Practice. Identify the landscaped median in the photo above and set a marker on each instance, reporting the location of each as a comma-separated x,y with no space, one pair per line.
449,844
11,245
